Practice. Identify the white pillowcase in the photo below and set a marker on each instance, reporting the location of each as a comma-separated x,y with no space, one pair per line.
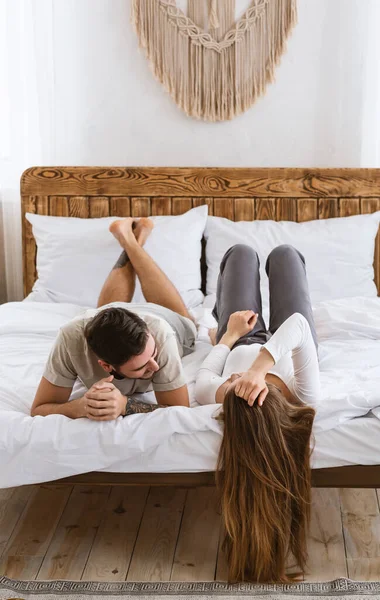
339,252
75,256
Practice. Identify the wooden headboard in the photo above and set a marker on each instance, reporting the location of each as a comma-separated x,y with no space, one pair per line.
235,193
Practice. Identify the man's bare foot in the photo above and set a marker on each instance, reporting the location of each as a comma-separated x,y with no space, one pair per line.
143,229
212,335
123,230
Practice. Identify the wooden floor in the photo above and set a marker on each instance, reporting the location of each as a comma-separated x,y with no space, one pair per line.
154,534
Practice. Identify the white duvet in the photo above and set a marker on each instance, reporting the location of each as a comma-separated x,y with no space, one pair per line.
33,450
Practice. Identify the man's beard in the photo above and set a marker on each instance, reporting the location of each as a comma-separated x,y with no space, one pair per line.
120,376
117,375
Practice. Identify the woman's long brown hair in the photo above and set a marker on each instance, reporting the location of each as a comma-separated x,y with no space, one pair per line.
264,478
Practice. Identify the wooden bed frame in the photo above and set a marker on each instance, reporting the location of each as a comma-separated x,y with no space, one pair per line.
234,193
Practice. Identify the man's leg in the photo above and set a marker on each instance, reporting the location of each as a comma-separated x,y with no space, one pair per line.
239,289
155,285
288,287
120,283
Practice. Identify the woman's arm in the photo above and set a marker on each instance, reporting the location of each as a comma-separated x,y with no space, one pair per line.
294,336
209,377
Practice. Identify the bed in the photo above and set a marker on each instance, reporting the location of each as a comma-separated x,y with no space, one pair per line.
346,455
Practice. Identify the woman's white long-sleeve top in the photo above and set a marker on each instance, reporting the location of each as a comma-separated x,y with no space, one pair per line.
293,350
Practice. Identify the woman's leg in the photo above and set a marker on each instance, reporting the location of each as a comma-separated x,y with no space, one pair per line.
239,289
288,287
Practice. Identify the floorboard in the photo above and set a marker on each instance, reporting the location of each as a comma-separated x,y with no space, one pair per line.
327,559
70,547
221,561
153,555
163,533
32,536
13,502
111,553
196,552
361,527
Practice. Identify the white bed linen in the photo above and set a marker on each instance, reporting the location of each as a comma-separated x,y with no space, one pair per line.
34,450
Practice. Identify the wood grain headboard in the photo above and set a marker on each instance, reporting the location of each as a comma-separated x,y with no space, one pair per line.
237,194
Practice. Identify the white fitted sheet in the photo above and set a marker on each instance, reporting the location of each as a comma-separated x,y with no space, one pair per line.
38,449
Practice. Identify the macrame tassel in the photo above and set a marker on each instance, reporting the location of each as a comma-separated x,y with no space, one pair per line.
214,78
196,11
221,17
213,19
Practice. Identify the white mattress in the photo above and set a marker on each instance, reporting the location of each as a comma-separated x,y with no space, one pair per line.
33,450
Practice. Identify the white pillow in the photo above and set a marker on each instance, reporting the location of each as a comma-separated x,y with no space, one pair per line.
75,256
339,253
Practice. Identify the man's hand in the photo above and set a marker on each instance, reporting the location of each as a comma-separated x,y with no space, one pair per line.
241,322
251,386
103,401
103,384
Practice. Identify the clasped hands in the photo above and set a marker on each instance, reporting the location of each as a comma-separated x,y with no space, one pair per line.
103,401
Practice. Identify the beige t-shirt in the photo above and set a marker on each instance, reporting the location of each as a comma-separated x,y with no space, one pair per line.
71,357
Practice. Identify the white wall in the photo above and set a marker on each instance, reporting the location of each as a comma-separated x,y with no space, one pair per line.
111,110
82,93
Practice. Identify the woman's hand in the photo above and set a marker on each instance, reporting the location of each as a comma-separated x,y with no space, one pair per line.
241,322
251,386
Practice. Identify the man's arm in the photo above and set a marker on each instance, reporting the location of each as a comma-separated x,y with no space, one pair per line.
57,383
179,397
169,383
102,402
136,407
52,399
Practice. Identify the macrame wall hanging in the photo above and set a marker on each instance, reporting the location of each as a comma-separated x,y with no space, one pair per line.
214,68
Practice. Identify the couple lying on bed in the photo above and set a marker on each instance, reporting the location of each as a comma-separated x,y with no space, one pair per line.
267,381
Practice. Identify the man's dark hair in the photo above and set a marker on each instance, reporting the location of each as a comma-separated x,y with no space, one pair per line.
116,334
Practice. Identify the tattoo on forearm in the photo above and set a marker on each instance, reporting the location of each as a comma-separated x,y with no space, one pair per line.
135,406
122,260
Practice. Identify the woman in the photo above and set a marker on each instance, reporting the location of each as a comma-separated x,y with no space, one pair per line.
263,467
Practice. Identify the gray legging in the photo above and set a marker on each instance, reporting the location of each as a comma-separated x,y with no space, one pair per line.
239,289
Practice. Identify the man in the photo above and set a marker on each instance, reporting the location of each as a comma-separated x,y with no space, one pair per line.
139,346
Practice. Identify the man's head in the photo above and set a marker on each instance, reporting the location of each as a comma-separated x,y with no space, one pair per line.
122,342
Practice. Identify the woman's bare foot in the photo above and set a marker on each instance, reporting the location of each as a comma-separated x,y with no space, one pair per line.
143,229
123,230
212,335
